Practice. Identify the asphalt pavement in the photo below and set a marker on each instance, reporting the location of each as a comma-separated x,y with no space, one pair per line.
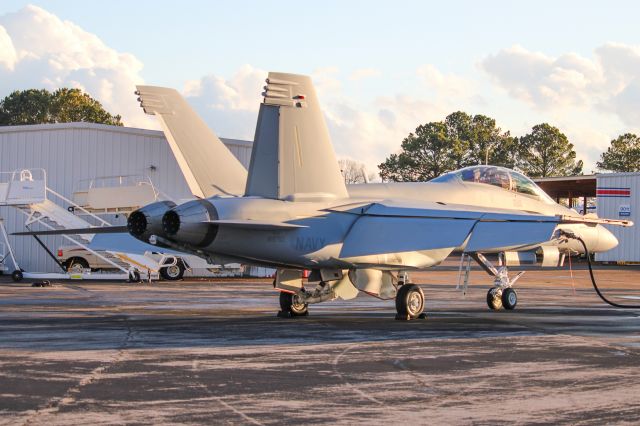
214,352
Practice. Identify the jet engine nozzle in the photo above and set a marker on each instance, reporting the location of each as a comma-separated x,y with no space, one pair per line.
147,221
189,223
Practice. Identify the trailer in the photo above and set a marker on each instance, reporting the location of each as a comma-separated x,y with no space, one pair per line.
618,197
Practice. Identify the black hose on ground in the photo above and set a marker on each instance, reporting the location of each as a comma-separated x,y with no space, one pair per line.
593,279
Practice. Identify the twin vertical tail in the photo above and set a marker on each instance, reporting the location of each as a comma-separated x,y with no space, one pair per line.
292,157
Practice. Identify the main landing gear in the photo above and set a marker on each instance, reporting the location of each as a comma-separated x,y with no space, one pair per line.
292,306
410,302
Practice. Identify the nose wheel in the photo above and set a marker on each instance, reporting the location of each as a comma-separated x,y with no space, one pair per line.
502,298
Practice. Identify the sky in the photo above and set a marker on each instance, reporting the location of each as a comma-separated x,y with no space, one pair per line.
381,68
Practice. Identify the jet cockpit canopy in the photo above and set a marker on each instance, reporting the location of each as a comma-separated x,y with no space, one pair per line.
501,177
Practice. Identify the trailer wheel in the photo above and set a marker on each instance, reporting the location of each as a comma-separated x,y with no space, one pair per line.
17,275
77,265
173,272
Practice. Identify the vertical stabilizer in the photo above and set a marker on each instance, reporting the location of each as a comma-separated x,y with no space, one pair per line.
207,164
292,154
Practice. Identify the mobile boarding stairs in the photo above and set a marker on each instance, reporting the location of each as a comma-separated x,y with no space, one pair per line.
27,191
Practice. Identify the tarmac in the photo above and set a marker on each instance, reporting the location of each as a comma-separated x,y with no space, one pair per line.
214,352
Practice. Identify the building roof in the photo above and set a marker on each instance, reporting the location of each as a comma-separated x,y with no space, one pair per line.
103,127
568,186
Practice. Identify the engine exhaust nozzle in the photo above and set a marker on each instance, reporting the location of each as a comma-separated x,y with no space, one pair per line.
189,223
147,220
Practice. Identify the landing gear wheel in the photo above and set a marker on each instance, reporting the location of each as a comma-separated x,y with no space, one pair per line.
17,275
173,272
409,302
509,298
494,299
291,305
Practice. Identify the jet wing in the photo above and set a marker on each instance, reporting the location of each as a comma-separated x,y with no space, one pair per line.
392,228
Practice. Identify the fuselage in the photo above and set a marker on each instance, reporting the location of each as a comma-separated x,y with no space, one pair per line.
597,237
324,223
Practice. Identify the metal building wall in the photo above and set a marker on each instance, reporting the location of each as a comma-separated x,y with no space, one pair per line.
71,152
608,206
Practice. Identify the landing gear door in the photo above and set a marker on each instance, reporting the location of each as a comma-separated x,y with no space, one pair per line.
551,257
344,289
289,280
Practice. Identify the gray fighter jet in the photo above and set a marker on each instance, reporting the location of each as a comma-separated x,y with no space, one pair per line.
296,213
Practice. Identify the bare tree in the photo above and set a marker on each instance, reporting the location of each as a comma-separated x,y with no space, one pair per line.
354,171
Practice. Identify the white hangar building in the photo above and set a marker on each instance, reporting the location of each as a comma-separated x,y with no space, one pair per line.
74,153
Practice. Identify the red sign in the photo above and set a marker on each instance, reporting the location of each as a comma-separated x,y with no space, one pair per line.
613,192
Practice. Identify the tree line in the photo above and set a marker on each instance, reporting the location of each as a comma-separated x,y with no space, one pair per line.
462,140
434,148
39,106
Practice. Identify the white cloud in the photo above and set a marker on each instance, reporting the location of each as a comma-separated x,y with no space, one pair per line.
8,56
39,50
542,80
240,92
370,132
608,82
443,84
229,106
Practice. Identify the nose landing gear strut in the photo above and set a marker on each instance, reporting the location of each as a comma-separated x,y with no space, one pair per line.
502,294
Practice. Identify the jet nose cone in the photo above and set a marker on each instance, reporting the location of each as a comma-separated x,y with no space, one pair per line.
606,240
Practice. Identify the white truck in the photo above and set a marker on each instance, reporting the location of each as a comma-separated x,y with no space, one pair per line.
77,260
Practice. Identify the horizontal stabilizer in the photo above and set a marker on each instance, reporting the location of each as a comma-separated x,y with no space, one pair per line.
79,231
256,224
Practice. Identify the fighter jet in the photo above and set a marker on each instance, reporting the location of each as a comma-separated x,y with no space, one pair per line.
211,169
296,214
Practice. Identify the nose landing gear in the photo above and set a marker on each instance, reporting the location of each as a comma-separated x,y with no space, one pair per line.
502,295
509,298
498,298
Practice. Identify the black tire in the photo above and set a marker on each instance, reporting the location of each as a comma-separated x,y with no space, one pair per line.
288,305
17,275
173,273
509,298
410,301
134,276
77,262
494,300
